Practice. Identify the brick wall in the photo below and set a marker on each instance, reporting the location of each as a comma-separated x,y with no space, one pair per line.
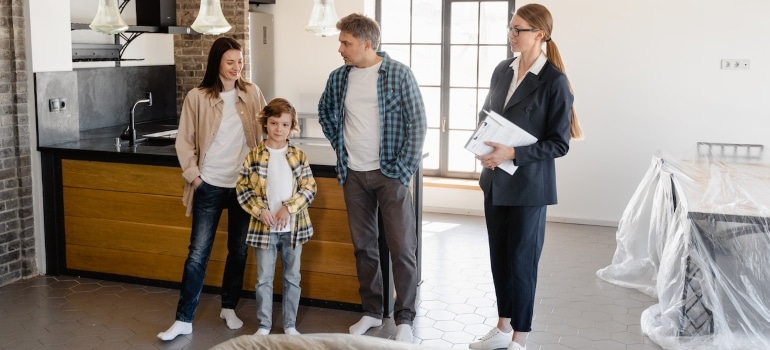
191,51
17,243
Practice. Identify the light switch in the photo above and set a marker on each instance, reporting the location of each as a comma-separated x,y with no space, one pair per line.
54,105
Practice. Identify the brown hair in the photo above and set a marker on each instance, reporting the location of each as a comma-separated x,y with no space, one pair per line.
539,17
361,27
275,108
211,83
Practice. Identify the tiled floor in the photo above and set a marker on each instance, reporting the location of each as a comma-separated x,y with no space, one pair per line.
575,309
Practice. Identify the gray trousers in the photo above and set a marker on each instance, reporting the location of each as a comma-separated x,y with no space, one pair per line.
365,192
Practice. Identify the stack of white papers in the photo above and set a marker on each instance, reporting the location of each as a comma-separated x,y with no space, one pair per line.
496,128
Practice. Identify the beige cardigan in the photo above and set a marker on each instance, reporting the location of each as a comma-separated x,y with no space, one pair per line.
199,123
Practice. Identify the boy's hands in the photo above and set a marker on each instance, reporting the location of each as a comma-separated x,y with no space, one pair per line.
278,220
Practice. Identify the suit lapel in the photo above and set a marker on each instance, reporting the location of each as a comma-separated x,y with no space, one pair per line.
503,85
527,86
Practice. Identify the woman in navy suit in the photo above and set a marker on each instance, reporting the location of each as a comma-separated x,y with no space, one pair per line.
531,91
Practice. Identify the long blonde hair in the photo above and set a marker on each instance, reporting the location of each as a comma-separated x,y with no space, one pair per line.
539,17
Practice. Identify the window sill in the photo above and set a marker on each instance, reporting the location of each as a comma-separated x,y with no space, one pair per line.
464,184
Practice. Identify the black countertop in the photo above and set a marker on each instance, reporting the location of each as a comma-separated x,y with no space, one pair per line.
101,145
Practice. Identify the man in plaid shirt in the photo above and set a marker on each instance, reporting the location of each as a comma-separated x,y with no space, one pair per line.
373,114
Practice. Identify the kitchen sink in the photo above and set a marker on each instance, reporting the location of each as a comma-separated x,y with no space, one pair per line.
152,134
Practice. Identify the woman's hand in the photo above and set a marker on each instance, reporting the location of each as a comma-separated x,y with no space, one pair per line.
197,182
500,154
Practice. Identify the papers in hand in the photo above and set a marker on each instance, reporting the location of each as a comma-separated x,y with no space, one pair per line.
495,128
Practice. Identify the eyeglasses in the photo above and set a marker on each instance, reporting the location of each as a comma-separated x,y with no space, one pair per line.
516,31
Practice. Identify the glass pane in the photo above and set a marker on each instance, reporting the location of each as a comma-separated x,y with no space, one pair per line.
489,58
431,96
399,53
465,23
462,109
426,64
459,158
432,146
426,21
492,29
394,21
463,65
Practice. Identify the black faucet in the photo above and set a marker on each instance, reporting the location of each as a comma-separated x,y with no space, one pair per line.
132,125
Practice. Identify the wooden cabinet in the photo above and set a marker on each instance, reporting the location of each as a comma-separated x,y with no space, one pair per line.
128,220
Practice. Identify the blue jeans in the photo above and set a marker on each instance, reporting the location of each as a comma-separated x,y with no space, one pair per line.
208,203
290,261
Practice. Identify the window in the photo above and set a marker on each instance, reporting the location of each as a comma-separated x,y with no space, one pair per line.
452,47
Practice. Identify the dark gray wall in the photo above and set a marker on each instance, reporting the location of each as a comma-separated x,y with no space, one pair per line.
106,95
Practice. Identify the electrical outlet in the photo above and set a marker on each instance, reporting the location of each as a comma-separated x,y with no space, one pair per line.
736,64
54,105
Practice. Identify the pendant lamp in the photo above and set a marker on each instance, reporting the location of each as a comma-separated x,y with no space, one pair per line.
108,20
210,19
323,19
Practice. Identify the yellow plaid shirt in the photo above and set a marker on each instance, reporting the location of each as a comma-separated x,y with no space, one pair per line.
252,195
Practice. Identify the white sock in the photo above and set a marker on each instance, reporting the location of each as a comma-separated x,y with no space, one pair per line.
176,329
262,331
291,331
364,324
233,322
404,333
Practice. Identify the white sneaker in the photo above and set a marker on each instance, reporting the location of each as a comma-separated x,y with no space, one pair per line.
291,331
516,346
262,331
495,339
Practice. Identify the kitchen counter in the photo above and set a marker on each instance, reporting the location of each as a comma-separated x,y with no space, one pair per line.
116,213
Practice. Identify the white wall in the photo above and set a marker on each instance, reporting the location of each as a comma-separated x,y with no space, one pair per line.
304,60
647,77
49,35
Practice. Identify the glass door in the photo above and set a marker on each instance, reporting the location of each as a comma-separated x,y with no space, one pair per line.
452,47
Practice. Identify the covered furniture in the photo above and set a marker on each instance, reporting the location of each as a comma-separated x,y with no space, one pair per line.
696,235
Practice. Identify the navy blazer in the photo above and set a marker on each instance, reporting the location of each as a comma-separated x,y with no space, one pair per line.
541,105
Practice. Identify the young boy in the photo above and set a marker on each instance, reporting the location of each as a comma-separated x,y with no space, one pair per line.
276,187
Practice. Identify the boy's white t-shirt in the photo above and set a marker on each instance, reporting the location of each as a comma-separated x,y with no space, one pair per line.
279,182
225,156
362,119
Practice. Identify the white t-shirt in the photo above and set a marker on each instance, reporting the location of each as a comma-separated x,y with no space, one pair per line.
362,119
279,181
225,156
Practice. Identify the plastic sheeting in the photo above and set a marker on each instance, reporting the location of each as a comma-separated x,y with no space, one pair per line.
696,235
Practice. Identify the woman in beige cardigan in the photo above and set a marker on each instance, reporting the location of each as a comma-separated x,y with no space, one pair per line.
217,128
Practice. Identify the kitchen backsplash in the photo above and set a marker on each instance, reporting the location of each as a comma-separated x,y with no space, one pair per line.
101,97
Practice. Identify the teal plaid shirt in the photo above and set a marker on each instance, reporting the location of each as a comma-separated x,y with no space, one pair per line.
252,195
402,119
